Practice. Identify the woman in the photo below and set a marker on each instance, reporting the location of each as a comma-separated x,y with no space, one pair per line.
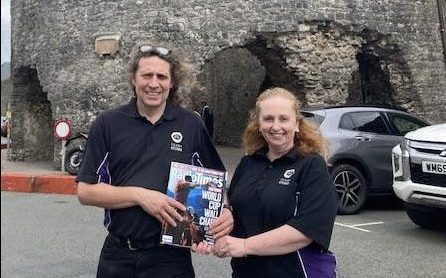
282,196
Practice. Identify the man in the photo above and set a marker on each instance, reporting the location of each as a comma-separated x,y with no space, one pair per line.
126,169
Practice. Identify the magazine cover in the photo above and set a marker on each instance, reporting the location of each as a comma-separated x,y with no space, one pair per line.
201,190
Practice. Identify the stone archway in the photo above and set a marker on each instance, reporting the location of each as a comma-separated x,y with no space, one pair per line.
324,63
384,76
375,86
31,135
232,81
273,58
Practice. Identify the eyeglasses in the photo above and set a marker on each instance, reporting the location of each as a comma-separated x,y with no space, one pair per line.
148,48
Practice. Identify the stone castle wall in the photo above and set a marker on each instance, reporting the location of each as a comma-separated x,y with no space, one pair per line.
315,48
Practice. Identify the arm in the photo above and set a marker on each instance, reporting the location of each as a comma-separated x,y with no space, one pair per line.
282,240
317,204
153,202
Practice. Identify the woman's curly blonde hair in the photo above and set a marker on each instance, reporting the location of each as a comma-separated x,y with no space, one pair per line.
307,141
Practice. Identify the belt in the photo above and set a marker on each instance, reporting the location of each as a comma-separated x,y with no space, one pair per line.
133,244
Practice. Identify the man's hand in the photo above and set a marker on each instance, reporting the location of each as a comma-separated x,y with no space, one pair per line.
223,224
161,206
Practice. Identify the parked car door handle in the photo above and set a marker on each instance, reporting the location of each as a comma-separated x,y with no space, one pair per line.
362,138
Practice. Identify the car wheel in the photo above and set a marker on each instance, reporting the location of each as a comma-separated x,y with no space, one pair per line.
74,155
351,188
426,217
73,161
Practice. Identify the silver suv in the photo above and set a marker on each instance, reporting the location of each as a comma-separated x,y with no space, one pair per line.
419,170
361,141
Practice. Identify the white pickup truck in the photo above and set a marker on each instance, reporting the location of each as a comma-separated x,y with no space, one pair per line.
419,175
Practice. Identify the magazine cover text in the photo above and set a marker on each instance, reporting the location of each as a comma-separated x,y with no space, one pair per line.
201,190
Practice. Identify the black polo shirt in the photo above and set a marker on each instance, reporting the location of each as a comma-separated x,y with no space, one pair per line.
265,195
125,149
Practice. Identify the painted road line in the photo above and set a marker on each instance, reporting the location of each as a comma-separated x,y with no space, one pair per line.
351,227
355,226
366,224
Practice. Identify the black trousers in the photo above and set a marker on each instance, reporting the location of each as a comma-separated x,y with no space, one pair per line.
161,261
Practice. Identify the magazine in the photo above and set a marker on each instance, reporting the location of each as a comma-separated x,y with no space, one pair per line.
201,190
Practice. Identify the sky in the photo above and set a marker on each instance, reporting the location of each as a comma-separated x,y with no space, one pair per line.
6,31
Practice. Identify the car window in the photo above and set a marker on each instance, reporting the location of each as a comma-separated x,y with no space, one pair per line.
369,122
347,122
316,119
405,123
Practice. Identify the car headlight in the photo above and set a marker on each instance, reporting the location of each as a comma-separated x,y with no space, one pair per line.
397,162
400,161
405,144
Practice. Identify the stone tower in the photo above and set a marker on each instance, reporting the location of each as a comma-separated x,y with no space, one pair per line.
69,58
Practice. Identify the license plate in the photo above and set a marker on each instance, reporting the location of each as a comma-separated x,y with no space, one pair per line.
434,167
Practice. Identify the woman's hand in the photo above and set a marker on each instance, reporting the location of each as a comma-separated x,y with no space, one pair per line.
220,227
223,225
229,246
202,248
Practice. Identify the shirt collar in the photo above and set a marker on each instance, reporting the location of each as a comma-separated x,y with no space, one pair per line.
132,110
290,156
169,112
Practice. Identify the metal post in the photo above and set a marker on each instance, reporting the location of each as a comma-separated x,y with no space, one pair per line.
441,14
8,132
62,153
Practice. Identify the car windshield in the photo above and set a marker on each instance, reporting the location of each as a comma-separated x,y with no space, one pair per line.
405,123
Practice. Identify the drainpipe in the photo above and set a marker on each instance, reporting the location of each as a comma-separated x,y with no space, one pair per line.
441,15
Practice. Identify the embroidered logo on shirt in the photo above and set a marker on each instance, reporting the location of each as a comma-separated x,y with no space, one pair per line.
286,177
177,137
289,173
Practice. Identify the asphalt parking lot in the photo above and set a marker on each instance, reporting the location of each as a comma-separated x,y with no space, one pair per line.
381,241
49,235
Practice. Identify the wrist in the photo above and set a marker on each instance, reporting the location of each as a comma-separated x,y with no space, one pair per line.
245,249
137,194
228,207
